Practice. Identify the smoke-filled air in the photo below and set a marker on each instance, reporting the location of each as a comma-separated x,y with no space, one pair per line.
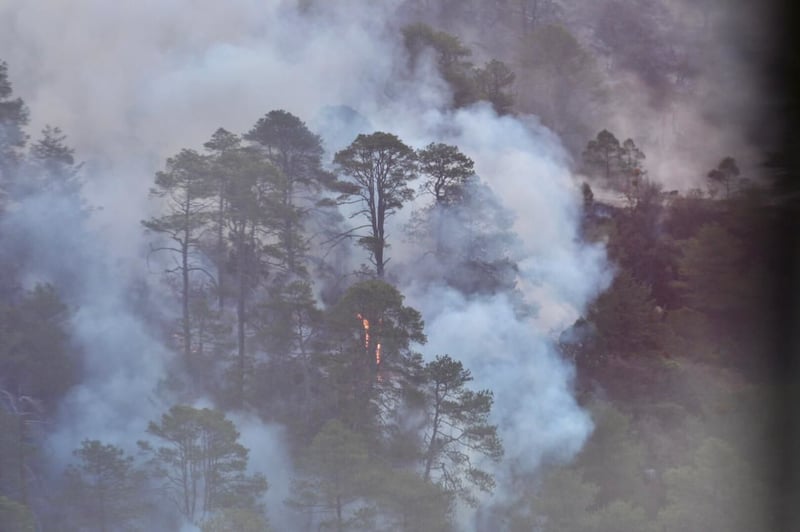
401,265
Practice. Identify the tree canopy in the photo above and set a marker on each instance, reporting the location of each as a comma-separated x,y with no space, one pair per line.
379,168
201,463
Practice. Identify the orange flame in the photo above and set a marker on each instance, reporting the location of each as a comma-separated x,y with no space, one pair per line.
365,325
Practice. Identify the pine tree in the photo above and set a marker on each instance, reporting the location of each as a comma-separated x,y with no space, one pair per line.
104,490
379,168
370,363
252,198
222,148
456,429
185,188
13,119
297,153
201,462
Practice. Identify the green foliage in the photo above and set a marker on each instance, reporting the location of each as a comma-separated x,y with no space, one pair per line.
19,446
621,516
639,245
633,35
559,80
619,165
613,458
289,143
690,333
746,418
222,141
710,271
588,197
467,83
288,320
635,187
252,202
103,492
337,474
457,430
345,487
532,14
183,185
449,48
410,504
289,326
15,517
553,50
49,168
297,152
717,492
669,431
603,157
687,213
251,198
13,118
201,463
235,520
368,368
55,161
446,170
381,304
221,147
451,58
235,218
399,453
625,318
566,502
561,504
209,332
724,175
186,189
378,168
492,82
472,242
35,356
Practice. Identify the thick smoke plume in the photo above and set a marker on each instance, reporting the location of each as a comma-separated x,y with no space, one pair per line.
132,83
123,362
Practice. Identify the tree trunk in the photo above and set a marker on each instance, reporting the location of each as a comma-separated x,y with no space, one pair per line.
339,521
379,265
221,248
379,234
434,434
289,228
23,481
103,517
187,332
240,322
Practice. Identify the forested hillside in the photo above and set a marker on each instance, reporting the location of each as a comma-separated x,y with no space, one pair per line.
418,265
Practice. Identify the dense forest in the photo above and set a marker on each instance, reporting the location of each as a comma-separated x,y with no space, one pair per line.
415,265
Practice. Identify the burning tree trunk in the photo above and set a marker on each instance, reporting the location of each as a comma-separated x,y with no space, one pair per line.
373,333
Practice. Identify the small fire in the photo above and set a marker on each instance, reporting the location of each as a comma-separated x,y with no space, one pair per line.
365,325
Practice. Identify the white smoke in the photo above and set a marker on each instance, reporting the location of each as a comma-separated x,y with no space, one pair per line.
132,83
122,361
514,356
269,455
